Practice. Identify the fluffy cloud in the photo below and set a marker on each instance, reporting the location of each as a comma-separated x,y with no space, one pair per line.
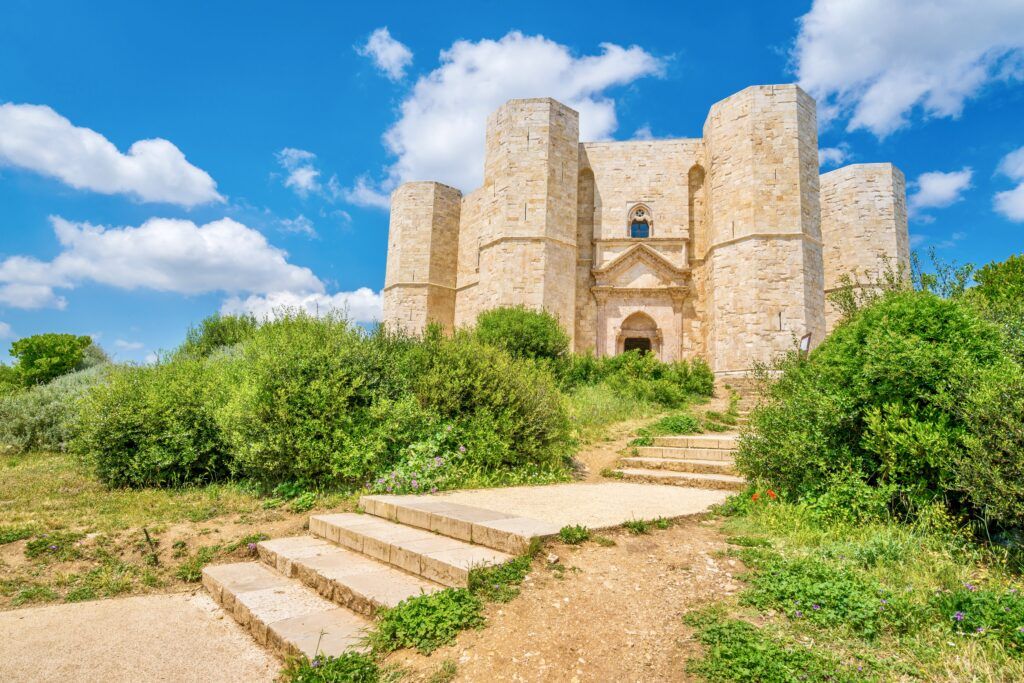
440,132
935,190
299,225
37,138
301,173
161,254
129,346
876,60
833,156
362,305
389,55
1010,203
363,193
5,330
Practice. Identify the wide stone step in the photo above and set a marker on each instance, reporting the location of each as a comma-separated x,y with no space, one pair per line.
693,480
684,453
360,583
676,465
507,533
282,614
724,441
438,558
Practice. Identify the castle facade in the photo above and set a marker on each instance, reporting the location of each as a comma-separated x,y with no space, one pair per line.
722,247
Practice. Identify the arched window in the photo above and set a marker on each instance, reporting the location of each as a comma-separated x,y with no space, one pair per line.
640,222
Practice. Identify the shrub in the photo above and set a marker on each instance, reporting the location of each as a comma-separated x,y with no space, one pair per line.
154,426
574,535
999,295
523,333
877,399
428,621
43,357
641,376
217,332
10,380
42,417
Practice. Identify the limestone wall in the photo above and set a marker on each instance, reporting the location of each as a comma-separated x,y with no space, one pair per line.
420,280
863,225
764,263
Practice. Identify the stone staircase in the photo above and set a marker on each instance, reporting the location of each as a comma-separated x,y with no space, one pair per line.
317,594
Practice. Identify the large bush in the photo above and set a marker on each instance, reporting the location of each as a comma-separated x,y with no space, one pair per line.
42,417
523,332
886,399
217,332
42,357
154,426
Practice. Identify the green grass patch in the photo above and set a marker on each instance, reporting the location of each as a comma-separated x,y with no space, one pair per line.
428,621
637,526
10,534
500,583
191,570
55,546
574,535
351,667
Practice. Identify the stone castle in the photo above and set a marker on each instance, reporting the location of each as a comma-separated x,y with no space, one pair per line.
722,247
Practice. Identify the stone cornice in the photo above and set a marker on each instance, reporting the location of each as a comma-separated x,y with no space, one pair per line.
527,238
416,284
764,235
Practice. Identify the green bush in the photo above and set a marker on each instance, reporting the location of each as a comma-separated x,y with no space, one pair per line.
351,667
574,534
41,418
43,357
887,398
154,426
999,295
428,621
217,332
641,376
523,333
10,380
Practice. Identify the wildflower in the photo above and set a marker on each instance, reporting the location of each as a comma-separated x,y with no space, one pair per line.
980,629
53,547
315,663
415,484
771,494
798,614
970,586
394,474
251,546
438,461
390,488
756,496
884,601
462,449
448,428
959,616
815,607
433,489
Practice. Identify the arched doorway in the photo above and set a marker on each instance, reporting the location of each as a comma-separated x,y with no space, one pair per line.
640,333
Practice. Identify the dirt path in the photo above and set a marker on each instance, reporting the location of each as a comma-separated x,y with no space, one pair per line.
613,613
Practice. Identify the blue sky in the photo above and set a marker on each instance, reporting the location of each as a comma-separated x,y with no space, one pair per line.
266,138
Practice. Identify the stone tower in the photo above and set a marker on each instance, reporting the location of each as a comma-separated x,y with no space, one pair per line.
764,269
527,222
419,283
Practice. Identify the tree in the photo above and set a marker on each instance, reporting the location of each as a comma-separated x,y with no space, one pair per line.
43,357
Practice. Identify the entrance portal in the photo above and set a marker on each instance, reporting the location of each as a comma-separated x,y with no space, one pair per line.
641,344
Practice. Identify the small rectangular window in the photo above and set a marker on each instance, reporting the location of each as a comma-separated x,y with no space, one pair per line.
639,229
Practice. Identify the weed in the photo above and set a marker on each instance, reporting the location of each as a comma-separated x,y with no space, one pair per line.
191,570
722,418
611,474
58,546
604,541
428,621
445,673
303,503
248,542
749,542
710,426
574,535
34,594
637,526
500,583
662,523
351,667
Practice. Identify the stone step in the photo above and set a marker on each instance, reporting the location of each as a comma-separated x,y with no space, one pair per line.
282,614
702,481
683,453
721,440
352,580
675,465
438,558
497,530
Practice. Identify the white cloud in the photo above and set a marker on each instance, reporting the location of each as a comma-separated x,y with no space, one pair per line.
440,132
875,61
389,55
362,194
362,305
302,174
644,132
129,346
299,225
935,190
37,138
161,254
5,330
1010,203
952,240
833,156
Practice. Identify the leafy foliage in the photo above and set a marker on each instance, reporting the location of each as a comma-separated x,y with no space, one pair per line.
574,535
43,357
499,583
523,332
428,621
217,332
351,667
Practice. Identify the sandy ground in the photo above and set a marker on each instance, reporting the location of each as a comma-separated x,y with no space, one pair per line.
596,506
178,637
613,613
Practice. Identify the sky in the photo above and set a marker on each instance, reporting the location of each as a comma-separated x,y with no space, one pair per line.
161,162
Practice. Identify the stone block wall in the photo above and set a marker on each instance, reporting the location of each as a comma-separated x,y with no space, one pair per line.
863,225
421,275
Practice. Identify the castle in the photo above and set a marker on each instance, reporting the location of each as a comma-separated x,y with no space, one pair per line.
722,247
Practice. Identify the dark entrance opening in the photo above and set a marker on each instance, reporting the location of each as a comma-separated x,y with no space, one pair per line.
641,344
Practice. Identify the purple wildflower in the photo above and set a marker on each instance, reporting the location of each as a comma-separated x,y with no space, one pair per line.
438,461
315,663
884,601
433,489
394,474
251,546
815,607
959,616
798,614
970,586
415,484
462,449
980,629
390,487
53,547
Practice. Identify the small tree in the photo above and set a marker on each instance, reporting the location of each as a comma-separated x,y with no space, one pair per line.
42,357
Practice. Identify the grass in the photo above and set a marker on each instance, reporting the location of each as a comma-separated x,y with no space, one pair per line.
637,527
594,408
836,600
500,583
574,535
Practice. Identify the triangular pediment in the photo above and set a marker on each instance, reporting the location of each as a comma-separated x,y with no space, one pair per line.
640,267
